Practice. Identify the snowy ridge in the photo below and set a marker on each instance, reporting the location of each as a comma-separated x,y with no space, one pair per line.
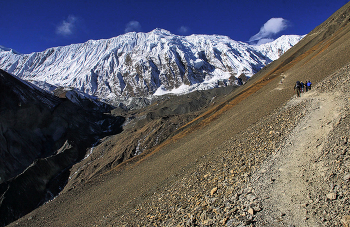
2,48
144,64
275,49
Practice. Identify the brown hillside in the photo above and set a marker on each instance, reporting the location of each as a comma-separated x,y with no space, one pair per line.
127,194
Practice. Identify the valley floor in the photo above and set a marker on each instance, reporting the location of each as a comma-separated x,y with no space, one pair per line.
289,169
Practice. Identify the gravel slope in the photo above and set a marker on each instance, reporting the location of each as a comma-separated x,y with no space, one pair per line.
293,170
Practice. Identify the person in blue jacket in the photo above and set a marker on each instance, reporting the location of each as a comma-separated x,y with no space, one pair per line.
308,85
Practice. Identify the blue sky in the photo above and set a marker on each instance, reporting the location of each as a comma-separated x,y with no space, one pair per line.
35,25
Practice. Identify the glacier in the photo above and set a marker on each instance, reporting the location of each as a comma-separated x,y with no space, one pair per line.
139,65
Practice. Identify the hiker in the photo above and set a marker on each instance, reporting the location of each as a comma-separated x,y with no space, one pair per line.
308,85
306,88
297,87
302,86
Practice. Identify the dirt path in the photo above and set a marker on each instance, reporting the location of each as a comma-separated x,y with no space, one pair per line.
287,192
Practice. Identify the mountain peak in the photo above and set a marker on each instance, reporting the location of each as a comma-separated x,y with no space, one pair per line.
2,48
160,31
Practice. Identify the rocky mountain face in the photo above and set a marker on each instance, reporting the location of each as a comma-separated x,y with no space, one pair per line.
41,137
144,64
143,130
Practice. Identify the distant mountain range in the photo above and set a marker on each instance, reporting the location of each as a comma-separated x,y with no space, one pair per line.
144,64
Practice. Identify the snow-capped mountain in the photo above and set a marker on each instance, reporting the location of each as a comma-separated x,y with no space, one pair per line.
143,64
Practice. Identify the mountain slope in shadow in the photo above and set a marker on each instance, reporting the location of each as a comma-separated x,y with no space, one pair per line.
41,137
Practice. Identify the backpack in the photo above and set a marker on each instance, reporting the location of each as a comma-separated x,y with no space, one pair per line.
298,85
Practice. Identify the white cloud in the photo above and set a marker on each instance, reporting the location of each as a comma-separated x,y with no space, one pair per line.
67,27
133,26
270,28
183,30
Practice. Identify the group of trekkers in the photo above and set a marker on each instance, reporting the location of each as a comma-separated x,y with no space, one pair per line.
301,87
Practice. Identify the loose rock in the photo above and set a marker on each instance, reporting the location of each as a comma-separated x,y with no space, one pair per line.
213,191
331,196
